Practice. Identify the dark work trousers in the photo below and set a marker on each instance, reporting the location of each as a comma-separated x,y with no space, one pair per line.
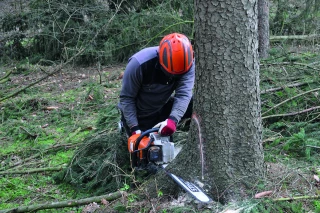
147,122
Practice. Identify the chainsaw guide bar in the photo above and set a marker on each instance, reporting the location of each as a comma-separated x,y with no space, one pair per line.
191,188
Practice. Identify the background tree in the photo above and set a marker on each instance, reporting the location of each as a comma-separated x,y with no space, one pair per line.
55,30
295,17
224,149
263,27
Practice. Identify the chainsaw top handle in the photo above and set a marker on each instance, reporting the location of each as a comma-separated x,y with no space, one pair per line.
145,133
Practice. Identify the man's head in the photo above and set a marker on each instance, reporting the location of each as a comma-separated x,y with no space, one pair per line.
175,54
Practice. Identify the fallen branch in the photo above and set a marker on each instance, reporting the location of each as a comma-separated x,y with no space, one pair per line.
296,198
304,93
29,133
4,80
271,139
51,108
64,204
292,113
316,147
283,87
6,75
294,37
37,170
292,63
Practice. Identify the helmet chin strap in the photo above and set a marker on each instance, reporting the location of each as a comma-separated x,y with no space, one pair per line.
169,75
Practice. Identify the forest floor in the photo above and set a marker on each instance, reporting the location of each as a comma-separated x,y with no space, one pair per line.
41,128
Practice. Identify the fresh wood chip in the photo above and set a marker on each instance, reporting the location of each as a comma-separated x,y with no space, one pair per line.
263,194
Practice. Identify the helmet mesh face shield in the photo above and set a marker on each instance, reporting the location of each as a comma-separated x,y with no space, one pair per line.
175,54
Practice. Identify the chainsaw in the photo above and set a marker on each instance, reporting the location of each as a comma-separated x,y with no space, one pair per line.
151,148
153,151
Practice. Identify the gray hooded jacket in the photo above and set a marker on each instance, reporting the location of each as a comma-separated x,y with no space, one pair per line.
146,88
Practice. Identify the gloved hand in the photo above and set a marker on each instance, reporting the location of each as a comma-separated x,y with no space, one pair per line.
167,127
132,141
136,132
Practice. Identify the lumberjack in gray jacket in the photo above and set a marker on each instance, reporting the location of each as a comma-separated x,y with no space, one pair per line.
157,86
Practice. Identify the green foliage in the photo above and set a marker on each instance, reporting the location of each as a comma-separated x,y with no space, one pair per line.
56,30
108,117
125,187
294,17
269,206
60,158
49,138
275,75
292,136
316,204
296,143
60,28
119,207
299,140
15,189
96,91
95,164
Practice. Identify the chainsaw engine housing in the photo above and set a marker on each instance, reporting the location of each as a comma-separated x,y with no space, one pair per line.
160,151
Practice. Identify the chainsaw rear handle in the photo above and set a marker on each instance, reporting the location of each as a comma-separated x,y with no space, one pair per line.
145,133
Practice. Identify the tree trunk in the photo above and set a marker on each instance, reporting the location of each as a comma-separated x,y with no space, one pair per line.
224,150
263,27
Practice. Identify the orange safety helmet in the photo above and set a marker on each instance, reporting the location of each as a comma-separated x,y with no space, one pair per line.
175,54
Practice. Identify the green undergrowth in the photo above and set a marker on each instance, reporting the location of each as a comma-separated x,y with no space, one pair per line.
75,129
35,188
289,94
299,140
269,206
291,137
42,128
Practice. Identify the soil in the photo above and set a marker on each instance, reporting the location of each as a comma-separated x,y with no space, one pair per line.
70,77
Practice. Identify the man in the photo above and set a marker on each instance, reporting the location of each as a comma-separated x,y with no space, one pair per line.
157,86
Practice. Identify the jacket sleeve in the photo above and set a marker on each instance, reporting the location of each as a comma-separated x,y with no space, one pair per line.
131,83
183,94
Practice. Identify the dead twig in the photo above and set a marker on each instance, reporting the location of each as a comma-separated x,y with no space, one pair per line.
6,75
271,139
292,113
29,133
296,198
294,37
64,204
285,86
37,170
316,147
289,99
4,80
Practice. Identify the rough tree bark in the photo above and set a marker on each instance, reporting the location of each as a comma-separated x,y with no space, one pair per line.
263,27
224,149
